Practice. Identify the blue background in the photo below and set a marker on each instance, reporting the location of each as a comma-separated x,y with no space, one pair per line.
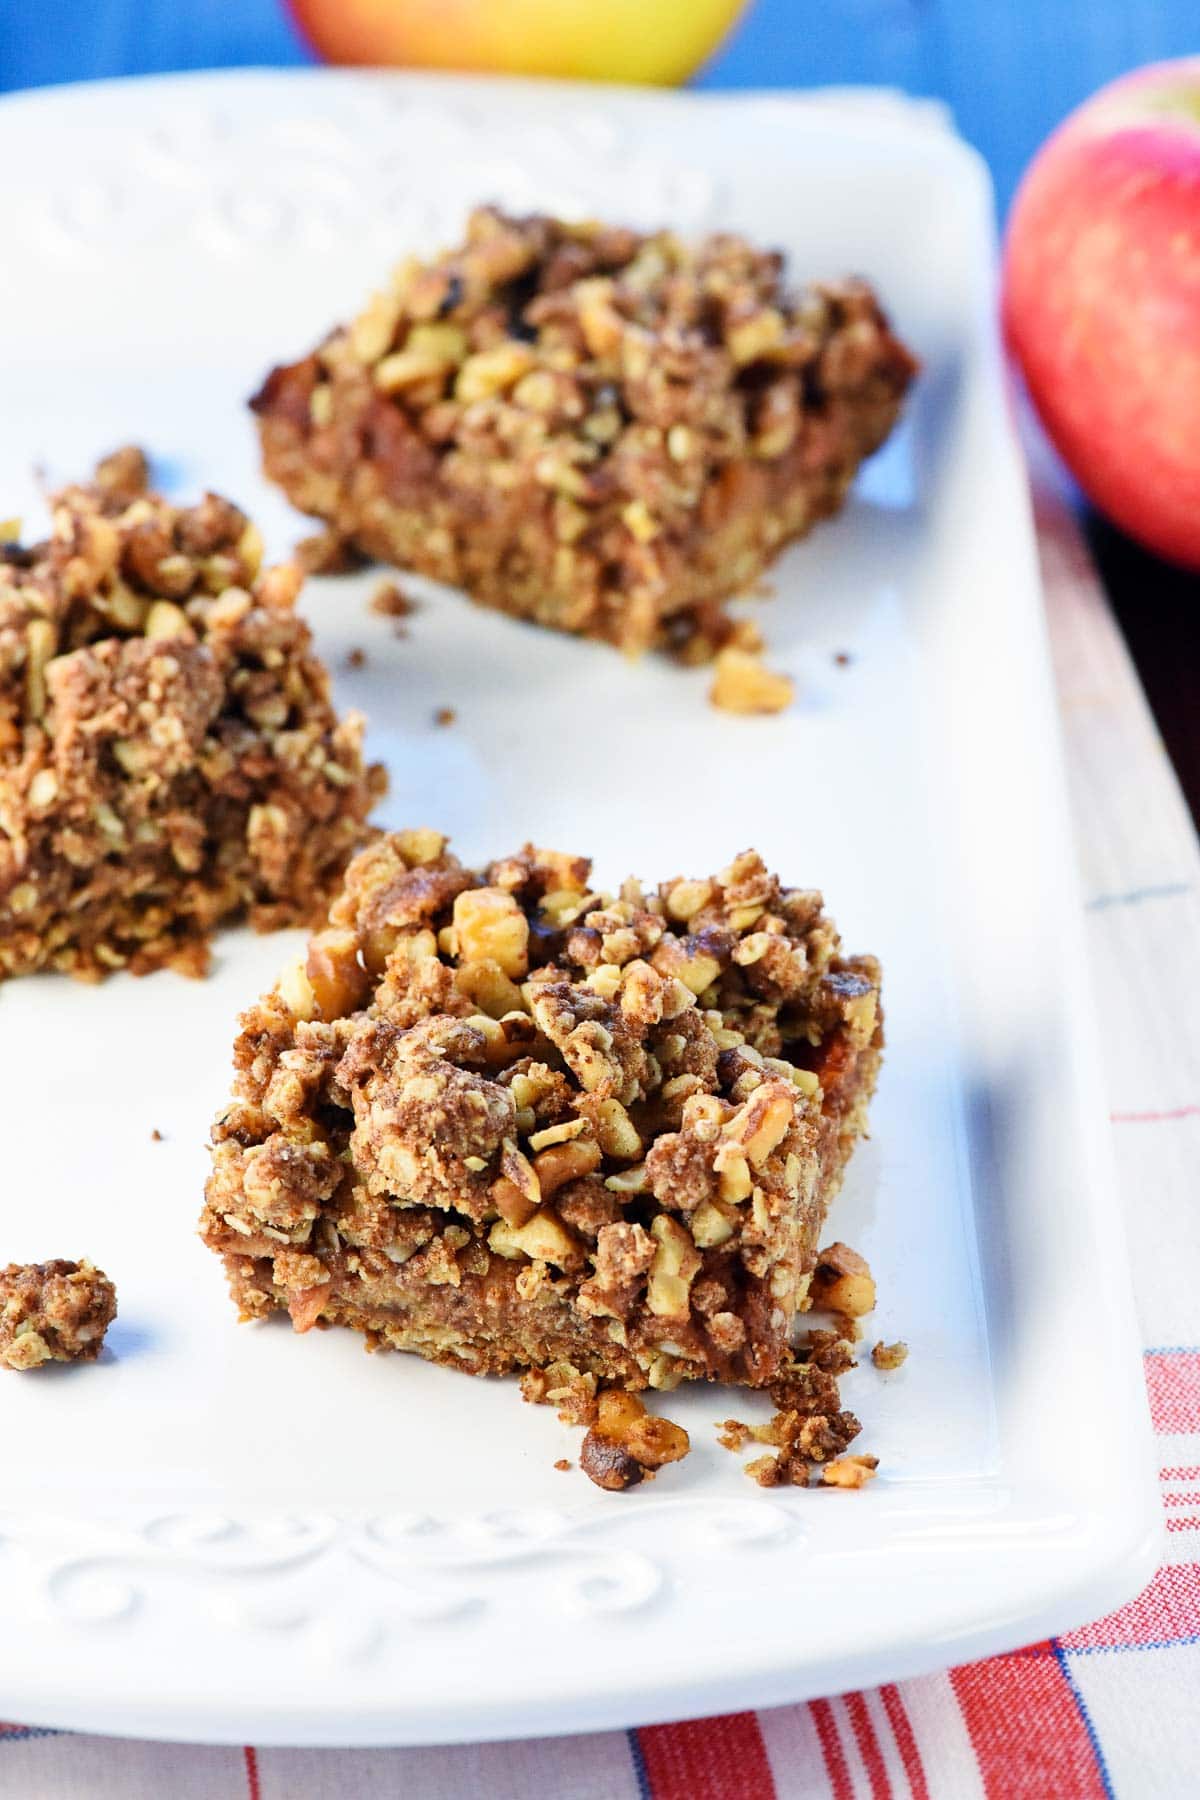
1010,69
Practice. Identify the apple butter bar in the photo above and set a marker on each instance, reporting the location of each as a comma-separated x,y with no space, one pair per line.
506,1120
169,754
602,430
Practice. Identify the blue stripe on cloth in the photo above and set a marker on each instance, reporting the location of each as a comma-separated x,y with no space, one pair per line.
1060,1657
1171,1643
1167,890
639,1766
18,1734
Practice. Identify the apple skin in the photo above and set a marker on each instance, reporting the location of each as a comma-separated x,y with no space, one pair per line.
600,40
1102,301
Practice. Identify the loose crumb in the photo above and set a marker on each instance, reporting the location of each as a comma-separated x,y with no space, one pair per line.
391,601
53,1312
733,1434
890,1356
356,659
564,1464
156,1136
445,715
810,1428
771,1471
842,658
743,684
850,1471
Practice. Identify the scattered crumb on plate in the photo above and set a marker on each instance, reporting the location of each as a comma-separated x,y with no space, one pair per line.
53,1312
391,601
742,683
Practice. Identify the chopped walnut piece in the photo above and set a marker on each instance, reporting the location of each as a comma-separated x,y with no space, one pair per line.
890,1356
609,1464
53,1312
742,683
605,431
123,475
850,1471
626,1443
842,1283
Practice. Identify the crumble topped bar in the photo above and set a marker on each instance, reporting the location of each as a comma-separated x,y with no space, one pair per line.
508,1121
169,754
53,1312
605,431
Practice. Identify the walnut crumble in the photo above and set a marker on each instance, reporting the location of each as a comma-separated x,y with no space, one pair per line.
624,1445
508,1121
169,755
603,430
53,1312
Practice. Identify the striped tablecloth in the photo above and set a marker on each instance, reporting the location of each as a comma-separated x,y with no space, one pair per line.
1109,1710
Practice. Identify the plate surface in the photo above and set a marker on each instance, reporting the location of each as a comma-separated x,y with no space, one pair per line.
234,1534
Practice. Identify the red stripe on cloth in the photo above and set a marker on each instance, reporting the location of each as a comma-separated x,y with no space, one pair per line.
1166,1612
906,1741
1154,1118
707,1759
1179,1474
1025,1726
836,1766
1180,1499
253,1784
1173,1384
868,1747
1183,1524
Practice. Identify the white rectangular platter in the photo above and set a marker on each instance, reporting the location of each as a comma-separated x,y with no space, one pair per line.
230,1533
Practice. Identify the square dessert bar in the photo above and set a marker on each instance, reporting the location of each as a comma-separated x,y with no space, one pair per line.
505,1120
169,756
600,430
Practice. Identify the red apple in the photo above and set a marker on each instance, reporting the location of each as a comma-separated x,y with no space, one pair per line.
1102,301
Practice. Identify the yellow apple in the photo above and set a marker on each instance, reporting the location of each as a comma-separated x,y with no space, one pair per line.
661,41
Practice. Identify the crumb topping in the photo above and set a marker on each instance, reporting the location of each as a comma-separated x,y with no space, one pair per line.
606,430
169,754
509,1119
